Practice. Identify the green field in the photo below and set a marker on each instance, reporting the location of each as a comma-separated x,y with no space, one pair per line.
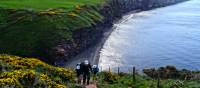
45,4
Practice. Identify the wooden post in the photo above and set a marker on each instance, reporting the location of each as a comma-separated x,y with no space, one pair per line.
109,69
133,74
118,71
158,80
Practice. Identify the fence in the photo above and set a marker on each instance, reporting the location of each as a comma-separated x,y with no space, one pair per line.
157,75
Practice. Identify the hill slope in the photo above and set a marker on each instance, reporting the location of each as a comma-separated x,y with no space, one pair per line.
35,27
21,72
57,30
25,72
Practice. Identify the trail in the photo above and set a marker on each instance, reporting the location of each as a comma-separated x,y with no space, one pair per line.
91,86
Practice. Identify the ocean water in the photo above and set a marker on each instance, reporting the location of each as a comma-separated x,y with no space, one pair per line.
160,37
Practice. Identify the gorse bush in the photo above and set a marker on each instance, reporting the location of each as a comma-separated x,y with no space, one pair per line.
169,72
110,77
30,72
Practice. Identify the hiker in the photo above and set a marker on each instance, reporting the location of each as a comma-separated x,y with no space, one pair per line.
86,69
95,70
78,72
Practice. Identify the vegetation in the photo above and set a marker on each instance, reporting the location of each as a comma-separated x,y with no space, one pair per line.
124,80
46,4
20,72
170,72
30,72
34,27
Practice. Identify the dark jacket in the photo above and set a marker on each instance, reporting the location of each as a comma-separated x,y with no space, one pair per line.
86,69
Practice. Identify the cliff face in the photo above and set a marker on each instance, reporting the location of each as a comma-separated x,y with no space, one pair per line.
84,38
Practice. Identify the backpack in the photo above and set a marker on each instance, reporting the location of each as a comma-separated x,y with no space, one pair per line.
95,68
78,67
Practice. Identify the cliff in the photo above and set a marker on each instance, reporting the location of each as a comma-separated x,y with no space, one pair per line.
56,34
111,12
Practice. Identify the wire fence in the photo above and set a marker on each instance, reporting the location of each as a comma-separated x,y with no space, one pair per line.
157,75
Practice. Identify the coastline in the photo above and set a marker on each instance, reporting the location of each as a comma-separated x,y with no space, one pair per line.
93,52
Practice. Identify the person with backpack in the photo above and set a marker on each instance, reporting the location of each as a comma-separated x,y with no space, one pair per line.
95,70
86,69
78,72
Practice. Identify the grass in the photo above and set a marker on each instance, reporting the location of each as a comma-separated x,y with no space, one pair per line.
45,4
126,81
26,32
21,72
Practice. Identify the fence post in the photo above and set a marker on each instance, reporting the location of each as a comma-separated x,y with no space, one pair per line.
133,74
158,80
109,69
118,71
101,75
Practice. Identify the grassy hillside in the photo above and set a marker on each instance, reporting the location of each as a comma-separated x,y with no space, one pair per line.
34,27
43,28
45,4
30,72
113,80
20,72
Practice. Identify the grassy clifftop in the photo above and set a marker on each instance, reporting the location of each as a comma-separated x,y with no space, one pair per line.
45,4
30,72
34,27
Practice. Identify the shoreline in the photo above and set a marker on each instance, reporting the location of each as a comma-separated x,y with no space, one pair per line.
93,53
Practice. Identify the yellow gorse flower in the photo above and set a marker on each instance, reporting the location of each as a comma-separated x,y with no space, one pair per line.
27,69
72,14
52,12
78,7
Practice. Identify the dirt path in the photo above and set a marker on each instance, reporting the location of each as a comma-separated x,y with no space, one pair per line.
91,86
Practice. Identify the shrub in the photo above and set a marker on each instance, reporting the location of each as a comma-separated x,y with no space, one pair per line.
26,72
110,77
